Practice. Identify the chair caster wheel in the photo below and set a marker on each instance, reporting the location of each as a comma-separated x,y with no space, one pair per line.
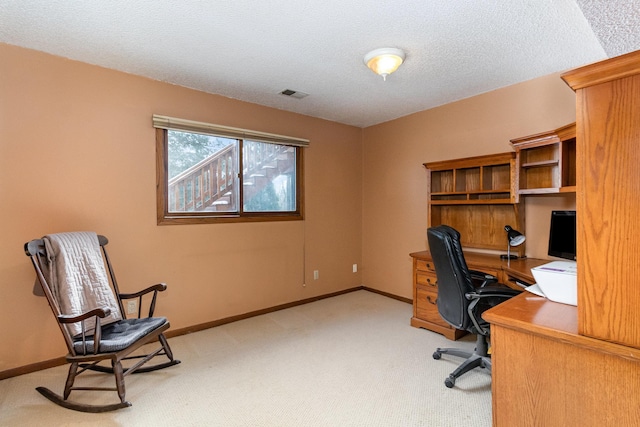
436,355
450,382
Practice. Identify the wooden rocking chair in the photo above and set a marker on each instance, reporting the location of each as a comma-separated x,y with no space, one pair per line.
100,332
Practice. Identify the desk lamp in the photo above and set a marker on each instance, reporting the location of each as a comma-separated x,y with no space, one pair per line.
514,238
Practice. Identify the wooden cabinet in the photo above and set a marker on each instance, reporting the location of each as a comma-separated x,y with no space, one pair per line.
425,285
425,295
477,196
608,202
546,162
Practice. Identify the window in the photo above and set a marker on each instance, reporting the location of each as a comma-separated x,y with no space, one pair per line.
210,173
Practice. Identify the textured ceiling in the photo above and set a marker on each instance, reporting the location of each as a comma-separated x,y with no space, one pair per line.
252,50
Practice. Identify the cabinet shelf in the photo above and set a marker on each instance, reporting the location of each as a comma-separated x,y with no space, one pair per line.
487,201
542,163
547,190
472,195
446,193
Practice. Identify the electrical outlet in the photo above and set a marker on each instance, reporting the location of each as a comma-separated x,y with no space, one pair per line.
132,307
355,268
316,274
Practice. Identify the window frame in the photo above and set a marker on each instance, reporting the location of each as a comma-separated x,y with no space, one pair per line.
164,217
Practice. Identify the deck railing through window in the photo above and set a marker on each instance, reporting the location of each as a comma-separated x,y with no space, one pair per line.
211,182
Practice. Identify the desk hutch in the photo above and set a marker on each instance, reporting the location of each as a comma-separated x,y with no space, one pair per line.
477,196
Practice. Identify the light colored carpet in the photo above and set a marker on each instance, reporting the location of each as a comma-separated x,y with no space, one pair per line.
350,360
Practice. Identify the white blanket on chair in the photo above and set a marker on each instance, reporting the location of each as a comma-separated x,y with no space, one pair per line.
78,277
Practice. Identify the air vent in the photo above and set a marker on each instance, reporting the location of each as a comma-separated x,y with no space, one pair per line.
293,94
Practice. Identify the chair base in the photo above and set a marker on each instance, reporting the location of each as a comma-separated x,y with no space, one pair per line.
76,368
59,400
82,407
479,358
108,370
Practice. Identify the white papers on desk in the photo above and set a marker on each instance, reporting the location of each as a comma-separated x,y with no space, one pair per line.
535,289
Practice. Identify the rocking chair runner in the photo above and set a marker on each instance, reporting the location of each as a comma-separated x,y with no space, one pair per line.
105,334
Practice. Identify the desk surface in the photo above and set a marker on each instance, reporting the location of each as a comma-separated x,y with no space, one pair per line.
518,268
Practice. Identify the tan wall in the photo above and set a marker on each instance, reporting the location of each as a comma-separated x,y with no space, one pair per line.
394,196
77,152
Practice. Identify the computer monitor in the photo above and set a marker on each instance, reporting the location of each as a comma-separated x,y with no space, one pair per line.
562,234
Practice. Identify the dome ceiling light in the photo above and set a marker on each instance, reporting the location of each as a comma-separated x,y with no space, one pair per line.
384,61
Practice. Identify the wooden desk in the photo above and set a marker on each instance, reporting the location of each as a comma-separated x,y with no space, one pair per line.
545,374
425,285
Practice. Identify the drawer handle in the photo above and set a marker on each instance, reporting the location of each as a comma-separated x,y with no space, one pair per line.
430,283
429,266
431,300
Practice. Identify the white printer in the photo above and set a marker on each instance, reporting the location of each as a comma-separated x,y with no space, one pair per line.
557,281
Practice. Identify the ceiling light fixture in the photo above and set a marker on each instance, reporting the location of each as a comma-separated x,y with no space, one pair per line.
384,61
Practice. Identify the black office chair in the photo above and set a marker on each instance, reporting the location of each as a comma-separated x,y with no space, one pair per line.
463,295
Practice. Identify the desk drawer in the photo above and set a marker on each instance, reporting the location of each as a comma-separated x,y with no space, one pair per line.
426,308
423,265
427,267
427,279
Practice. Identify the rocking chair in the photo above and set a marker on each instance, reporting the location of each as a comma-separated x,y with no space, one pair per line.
88,307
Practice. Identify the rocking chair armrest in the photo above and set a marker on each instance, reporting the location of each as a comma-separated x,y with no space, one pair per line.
152,306
100,312
159,287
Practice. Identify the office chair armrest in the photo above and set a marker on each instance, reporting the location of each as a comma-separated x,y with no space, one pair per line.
492,291
501,292
160,287
482,279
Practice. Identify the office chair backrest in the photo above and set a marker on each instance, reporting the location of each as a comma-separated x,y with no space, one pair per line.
454,279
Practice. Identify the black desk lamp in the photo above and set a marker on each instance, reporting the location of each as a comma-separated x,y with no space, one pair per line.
514,238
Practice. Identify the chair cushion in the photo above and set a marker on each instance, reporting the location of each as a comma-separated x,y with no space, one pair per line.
120,335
